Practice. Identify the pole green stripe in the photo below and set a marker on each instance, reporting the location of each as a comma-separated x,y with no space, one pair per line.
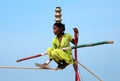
92,44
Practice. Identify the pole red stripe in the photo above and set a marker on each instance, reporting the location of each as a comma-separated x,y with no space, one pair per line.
30,57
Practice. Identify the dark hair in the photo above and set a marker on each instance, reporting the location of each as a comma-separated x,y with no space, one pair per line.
60,25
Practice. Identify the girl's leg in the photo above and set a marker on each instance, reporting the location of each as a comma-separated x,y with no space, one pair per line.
58,55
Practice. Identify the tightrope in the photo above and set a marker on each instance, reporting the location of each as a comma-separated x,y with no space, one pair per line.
28,68
90,71
37,68
19,67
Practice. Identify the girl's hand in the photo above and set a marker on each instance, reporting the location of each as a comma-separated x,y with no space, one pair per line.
75,30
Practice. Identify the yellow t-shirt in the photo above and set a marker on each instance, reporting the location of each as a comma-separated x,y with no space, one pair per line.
56,53
65,42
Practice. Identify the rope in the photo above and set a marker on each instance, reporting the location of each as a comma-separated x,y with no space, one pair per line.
89,71
30,68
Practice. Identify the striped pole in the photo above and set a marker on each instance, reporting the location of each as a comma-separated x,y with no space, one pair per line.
30,57
92,44
68,48
88,45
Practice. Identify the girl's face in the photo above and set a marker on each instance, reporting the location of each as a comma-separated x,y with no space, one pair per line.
57,30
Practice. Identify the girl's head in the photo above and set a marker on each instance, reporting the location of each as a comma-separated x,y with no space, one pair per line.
58,28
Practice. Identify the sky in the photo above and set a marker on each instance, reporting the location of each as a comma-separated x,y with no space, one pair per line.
26,30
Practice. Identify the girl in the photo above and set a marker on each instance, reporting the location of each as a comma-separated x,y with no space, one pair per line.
61,57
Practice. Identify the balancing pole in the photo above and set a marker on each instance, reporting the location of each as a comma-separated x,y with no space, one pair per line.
30,57
68,48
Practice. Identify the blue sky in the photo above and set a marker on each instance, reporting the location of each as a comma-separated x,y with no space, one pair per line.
26,30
